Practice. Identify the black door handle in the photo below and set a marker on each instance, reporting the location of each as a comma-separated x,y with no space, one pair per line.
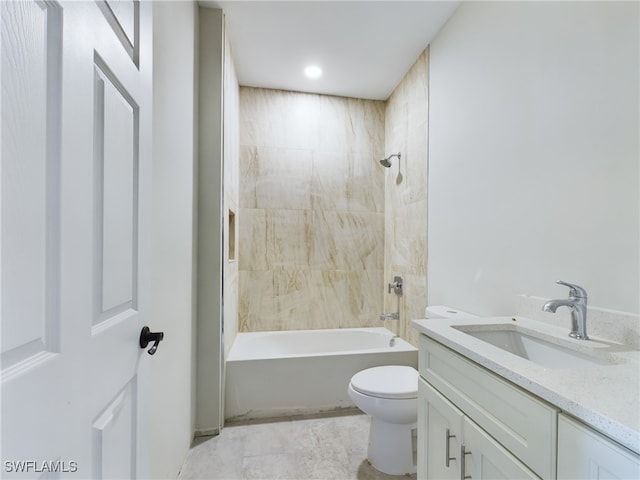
147,336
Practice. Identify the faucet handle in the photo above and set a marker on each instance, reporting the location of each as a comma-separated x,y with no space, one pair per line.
576,290
396,285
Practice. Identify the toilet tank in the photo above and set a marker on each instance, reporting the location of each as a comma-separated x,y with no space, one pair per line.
443,311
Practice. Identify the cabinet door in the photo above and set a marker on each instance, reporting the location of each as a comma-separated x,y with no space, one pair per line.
585,454
487,459
439,435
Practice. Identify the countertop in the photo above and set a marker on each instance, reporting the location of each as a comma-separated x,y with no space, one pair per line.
606,397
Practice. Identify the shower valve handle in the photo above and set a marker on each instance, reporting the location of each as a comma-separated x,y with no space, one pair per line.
396,285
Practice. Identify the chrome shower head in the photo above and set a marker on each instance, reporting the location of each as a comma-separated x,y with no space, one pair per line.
386,162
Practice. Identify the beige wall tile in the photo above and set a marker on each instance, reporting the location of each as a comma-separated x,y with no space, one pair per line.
276,177
350,241
406,197
311,197
330,180
274,239
308,299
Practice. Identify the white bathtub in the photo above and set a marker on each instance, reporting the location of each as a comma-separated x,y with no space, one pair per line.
270,374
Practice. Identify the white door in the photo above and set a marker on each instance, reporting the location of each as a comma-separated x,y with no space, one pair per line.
75,190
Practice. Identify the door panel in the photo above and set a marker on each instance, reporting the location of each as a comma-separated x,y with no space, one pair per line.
31,133
124,18
116,176
114,437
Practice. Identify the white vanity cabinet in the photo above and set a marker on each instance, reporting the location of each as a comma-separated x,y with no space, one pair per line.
584,454
454,447
506,432
471,418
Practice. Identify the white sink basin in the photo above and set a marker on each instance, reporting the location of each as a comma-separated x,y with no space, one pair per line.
538,350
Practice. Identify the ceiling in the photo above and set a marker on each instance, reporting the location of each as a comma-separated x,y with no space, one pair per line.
363,47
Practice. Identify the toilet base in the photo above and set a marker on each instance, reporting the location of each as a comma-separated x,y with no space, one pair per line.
392,447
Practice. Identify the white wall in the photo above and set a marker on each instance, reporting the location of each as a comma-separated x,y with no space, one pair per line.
533,154
173,179
210,220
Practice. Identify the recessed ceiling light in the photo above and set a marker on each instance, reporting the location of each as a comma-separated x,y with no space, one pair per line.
313,71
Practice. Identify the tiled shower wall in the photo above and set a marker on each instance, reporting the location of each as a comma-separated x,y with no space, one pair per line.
231,197
311,234
406,129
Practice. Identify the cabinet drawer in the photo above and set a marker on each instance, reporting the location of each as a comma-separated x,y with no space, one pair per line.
523,424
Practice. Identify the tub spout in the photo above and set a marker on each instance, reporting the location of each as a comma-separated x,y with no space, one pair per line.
390,316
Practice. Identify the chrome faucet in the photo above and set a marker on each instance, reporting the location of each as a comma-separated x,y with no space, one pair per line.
390,316
577,302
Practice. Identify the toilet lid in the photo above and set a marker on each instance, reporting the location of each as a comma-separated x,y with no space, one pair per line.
389,381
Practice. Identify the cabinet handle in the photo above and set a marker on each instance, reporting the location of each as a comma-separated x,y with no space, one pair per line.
446,452
463,453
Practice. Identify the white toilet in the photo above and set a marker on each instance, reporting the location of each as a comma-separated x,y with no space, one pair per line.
389,395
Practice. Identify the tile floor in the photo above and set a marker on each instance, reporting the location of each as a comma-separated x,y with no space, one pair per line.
320,448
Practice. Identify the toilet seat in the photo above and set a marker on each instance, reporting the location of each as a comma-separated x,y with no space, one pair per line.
389,381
